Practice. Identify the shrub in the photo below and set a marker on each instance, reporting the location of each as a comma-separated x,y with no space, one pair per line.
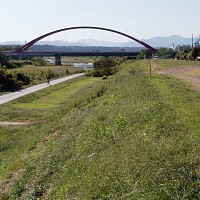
23,78
103,67
3,59
104,77
38,61
50,74
10,65
8,81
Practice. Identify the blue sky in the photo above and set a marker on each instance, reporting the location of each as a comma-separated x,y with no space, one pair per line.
23,20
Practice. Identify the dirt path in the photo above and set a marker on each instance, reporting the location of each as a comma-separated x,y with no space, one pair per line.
6,123
191,74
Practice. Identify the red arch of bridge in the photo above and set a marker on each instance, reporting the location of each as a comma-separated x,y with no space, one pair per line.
29,44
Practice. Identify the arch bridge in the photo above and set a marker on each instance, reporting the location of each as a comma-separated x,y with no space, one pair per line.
23,50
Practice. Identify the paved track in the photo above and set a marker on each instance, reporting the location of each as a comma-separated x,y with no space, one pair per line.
14,95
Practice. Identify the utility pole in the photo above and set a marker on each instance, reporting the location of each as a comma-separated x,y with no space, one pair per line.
150,68
198,44
173,46
192,41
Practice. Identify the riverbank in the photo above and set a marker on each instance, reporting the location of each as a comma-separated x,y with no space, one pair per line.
127,137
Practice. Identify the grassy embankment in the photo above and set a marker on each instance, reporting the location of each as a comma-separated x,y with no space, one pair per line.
128,137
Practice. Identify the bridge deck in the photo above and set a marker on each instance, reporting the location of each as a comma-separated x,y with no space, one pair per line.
70,53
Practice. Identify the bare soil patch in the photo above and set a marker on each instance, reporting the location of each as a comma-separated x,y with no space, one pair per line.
7,185
190,74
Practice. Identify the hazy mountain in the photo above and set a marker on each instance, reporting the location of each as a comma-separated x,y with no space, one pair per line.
12,43
87,42
83,48
154,41
168,41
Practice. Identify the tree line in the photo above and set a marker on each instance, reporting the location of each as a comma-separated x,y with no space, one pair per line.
185,52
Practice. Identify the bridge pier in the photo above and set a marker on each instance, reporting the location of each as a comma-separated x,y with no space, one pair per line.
58,60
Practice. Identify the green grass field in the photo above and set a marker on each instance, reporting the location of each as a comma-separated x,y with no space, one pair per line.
37,70
127,137
42,103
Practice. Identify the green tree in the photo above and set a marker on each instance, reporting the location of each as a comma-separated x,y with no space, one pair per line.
145,54
8,81
104,63
164,52
20,76
3,59
104,67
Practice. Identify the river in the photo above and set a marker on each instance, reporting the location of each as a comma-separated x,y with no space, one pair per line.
86,66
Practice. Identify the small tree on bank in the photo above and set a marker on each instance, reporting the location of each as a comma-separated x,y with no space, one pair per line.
144,54
3,59
103,67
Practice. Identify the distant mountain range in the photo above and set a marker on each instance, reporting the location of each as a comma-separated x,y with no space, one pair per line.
169,41
157,41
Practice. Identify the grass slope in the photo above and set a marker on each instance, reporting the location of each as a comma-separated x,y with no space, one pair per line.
37,105
128,137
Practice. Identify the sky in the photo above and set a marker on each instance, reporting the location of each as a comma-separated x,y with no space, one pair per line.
24,20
